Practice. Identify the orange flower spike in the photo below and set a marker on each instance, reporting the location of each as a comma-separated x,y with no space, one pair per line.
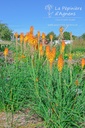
33,42
21,37
50,58
16,35
22,34
51,37
40,46
47,50
54,51
51,55
30,37
38,34
61,29
31,29
63,46
43,35
27,34
25,39
41,53
60,63
82,62
30,40
6,52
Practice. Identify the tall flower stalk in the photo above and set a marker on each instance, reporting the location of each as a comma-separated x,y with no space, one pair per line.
43,38
16,36
61,30
70,66
5,54
62,47
31,29
41,51
50,54
51,39
83,63
21,41
60,63
38,36
71,41
25,41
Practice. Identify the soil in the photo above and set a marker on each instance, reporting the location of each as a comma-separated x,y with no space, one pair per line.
20,120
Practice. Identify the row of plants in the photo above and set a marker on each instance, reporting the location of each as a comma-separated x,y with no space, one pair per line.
41,79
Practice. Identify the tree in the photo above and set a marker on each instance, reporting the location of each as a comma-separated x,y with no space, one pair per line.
83,36
67,36
5,32
51,33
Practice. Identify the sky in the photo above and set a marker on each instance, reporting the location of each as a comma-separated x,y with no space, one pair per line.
44,15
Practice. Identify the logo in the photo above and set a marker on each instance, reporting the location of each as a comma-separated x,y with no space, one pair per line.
49,10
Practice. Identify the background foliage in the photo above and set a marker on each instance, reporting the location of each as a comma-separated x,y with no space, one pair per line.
5,32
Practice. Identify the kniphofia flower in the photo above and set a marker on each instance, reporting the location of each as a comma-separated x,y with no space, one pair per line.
38,34
30,38
25,39
47,50
51,37
50,54
83,62
51,57
16,35
40,46
21,37
61,29
62,46
41,53
35,42
31,29
43,35
60,63
6,52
